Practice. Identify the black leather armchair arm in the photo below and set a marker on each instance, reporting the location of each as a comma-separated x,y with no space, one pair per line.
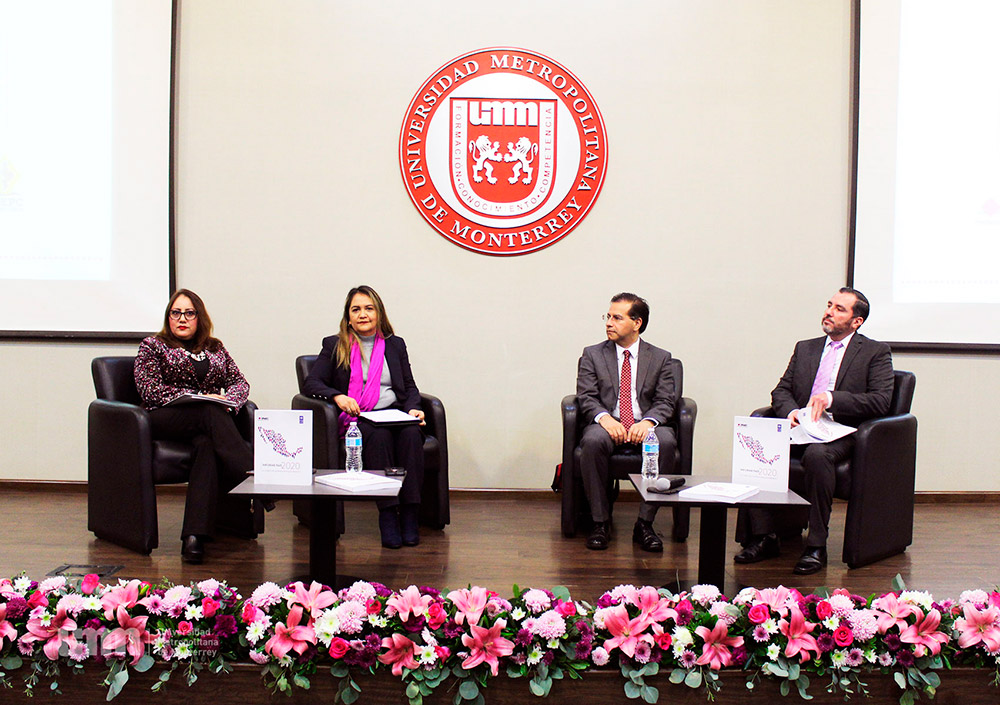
687,414
120,484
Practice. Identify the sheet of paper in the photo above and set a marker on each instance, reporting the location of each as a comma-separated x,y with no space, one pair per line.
823,430
389,416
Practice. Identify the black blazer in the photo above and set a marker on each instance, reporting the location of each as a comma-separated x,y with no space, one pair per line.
597,381
864,382
326,380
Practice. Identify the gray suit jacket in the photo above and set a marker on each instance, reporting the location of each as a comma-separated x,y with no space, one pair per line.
864,383
597,381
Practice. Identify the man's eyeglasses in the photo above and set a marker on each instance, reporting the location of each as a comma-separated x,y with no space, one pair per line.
176,314
616,317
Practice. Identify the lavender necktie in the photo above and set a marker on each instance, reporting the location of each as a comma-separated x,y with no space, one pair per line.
822,382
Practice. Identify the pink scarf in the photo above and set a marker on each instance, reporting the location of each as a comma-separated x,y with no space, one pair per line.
366,394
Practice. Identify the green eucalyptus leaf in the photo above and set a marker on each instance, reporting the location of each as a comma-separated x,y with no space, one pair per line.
650,669
540,687
338,670
412,691
933,679
793,672
301,682
693,679
562,592
900,680
784,687
165,676
349,696
677,676
480,700
898,584
12,662
778,671
906,698
632,691
468,690
650,694
144,664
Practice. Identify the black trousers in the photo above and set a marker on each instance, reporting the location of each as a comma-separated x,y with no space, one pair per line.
222,460
395,446
819,463
596,448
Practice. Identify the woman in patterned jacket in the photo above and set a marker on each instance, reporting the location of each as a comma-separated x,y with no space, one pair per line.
184,358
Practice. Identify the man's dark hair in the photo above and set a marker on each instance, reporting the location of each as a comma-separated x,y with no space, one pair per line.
861,307
638,309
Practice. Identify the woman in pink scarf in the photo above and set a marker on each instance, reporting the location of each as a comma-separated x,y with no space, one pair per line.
362,368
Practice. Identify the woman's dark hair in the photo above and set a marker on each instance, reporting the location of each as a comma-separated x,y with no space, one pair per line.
202,339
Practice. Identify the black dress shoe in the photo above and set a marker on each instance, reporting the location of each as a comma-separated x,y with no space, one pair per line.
192,550
812,560
644,535
388,526
599,536
759,549
409,515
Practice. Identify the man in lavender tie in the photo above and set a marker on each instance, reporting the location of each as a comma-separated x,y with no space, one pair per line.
843,373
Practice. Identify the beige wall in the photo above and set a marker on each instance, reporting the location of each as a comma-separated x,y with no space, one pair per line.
726,205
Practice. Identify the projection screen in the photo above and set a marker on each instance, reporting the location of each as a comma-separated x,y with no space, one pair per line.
85,119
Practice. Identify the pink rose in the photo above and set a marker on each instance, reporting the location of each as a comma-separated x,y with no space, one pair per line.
663,640
184,628
373,606
843,635
566,609
209,607
436,615
250,613
338,647
759,614
995,598
38,599
90,583
823,609
442,652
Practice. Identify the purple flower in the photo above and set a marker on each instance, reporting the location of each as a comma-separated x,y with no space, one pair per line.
905,658
308,655
892,642
381,590
433,592
518,658
740,655
656,656
684,613
584,628
642,652
415,623
825,642
854,657
17,607
688,658
225,625
549,657
523,637
583,650
452,630
760,634
605,600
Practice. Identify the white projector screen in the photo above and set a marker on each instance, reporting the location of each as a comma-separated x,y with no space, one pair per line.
926,239
85,246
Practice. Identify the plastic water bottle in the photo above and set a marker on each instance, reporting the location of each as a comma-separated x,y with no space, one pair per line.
352,441
650,455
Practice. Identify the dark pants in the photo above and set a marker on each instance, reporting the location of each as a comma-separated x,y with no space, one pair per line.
395,446
596,448
819,462
222,459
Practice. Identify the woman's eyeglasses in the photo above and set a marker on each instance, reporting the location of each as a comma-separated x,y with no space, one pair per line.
176,314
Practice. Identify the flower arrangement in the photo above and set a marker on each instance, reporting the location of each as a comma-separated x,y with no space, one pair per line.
460,639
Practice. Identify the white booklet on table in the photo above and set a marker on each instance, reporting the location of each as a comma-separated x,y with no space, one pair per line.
721,491
391,416
359,481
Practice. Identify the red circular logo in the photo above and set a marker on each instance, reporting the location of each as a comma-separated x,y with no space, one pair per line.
503,151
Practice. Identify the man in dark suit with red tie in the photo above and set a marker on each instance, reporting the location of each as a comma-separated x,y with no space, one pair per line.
624,387
851,377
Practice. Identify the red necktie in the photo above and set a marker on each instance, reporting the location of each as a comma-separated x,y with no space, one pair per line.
625,393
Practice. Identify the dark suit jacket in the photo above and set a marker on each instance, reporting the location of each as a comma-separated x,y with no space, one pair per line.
597,382
326,380
864,383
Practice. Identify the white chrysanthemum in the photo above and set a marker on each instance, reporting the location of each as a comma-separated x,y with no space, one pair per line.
682,635
773,651
745,596
45,617
770,625
921,598
552,644
426,655
870,655
193,612
518,614
534,656
183,651
705,594
92,603
159,643
831,622
327,626
22,585
377,620
838,659
256,631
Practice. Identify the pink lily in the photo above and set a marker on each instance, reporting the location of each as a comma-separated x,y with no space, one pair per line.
486,646
924,634
716,653
892,612
409,601
131,632
126,595
315,598
778,599
977,627
7,630
290,636
399,655
625,633
59,630
469,603
799,641
653,607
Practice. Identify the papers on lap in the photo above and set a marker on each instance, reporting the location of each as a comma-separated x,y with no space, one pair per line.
359,481
823,430
721,491
189,398
393,416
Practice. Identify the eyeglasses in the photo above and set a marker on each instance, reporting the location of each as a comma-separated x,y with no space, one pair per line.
176,314
616,317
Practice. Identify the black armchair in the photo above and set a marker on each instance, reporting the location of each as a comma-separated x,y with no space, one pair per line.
328,449
877,481
624,461
124,463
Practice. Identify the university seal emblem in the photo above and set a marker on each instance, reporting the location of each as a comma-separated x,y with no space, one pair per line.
503,151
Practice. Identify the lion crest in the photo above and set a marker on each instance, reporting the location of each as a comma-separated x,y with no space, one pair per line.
524,154
483,152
